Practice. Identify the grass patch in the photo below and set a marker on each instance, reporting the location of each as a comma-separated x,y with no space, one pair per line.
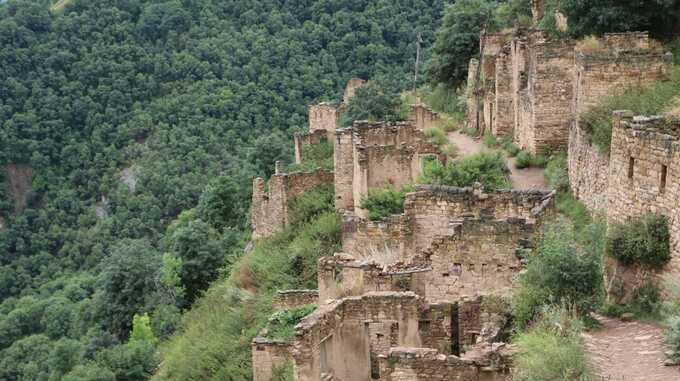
642,101
486,168
281,325
314,156
552,349
384,202
526,160
557,172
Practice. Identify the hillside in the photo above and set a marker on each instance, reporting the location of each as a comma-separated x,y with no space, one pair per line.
194,98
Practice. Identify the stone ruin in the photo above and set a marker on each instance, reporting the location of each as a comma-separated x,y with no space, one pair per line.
269,208
377,154
639,175
532,87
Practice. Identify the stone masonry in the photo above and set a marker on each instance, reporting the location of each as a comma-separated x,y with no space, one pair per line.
644,174
269,209
533,86
369,155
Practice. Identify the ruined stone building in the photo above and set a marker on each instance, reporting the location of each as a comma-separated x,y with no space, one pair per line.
533,86
640,174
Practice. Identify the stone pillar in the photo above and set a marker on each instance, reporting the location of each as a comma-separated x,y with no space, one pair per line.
278,167
538,10
344,169
298,148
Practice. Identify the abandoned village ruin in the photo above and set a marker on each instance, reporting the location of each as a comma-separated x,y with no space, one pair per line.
415,296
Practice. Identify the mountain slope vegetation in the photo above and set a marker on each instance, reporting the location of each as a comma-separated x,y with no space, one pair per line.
184,100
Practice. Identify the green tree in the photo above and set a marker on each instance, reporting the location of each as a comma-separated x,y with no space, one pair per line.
373,103
458,40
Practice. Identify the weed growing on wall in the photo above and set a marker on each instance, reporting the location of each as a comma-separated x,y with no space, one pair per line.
641,101
384,202
640,240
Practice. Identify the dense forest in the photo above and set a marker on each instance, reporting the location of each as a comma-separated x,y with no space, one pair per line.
144,123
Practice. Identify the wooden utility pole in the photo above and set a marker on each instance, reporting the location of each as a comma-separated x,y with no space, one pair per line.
419,40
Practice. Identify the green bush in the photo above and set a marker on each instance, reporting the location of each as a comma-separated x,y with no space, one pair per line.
282,324
565,268
526,160
314,156
436,135
372,102
641,240
312,203
557,173
673,338
552,349
384,202
486,168
489,140
444,99
511,148
642,101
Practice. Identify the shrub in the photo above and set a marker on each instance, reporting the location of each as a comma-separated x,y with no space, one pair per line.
511,148
557,173
282,324
489,140
436,135
384,202
640,240
450,150
314,156
311,204
552,349
526,160
561,270
486,168
673,338
372,102
444,99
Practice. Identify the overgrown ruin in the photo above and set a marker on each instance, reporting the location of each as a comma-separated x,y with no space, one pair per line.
421,295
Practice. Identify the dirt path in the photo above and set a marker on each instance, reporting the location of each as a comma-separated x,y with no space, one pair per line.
629,351
524,179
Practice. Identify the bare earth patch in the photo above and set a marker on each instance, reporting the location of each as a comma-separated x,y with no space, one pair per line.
629,351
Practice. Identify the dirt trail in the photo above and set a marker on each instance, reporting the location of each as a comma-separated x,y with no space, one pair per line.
524,179
629,351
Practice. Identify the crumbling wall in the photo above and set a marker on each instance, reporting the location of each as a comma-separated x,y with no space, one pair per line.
267,356
618,60
480,258
371,155
424,364
343,339
588,170
435,211
504,100
323,117
290,299
351,88
423,116
550,90
269,209
643,178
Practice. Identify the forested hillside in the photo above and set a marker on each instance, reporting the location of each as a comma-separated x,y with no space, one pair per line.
143,123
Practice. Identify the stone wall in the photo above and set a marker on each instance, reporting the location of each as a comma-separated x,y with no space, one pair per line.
369,155
341,340
305,140
588,170
503,92
435,211
423,364
290,299
267,356
351,88
423,116
269,209
618,60
323,117
643,178
480,258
